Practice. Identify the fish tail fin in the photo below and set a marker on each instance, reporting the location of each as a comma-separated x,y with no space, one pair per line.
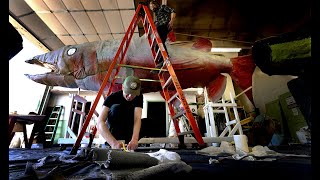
216,88
241,73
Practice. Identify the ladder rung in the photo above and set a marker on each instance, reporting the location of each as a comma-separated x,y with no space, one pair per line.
231,122
48,139
53,118
157,55
186,132
153,41
179,114
173,97
145,20
48,132
51,125
222,104
167,82
149,27
218,111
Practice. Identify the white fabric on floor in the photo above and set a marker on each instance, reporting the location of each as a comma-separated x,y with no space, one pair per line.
165,156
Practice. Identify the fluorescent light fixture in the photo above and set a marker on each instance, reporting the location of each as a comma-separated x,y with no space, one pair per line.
225,49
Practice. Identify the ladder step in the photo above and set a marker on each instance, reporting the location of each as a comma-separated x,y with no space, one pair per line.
218,111
48,139
167,82
145,20
186,132
51,125
48,132
222,104
157,55
179,114
231,122
173,97
149,27
153,42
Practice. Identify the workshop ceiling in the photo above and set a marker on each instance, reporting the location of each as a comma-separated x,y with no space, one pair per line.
228,23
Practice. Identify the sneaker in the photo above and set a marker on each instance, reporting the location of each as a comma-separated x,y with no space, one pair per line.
157,66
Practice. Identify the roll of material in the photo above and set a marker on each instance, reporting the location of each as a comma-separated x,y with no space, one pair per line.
286,54
241,143
117,159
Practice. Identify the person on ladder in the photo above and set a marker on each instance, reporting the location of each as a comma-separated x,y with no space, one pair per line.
120,118
164,19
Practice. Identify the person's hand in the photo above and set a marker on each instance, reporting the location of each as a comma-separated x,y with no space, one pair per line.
116,145
170,25
133,144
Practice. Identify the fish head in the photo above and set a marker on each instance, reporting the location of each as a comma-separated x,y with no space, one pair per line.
69,65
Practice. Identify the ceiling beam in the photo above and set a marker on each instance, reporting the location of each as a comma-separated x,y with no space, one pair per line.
27,34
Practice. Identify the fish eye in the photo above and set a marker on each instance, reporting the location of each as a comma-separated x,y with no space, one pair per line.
71,51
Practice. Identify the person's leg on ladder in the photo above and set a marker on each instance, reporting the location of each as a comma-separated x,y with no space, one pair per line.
163,33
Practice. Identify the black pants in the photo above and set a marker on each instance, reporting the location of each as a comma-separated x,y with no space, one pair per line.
120,122
163,32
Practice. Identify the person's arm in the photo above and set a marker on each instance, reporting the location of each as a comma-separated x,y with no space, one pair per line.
173,16
104,130
133,144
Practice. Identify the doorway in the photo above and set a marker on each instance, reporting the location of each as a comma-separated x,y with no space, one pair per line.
155,124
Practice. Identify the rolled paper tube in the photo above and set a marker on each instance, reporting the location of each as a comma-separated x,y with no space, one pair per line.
241,143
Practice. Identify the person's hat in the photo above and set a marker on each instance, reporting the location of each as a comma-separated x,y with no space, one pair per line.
132,85
154,2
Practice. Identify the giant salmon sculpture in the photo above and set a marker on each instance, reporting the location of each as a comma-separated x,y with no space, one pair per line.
85,65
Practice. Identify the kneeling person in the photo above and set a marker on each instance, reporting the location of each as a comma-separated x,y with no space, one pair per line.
120,118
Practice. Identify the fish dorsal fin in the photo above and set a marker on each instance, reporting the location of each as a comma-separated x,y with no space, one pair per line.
202,44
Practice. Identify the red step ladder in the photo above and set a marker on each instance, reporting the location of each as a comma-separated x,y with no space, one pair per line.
155,43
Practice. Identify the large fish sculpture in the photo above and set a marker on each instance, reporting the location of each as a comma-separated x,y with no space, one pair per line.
85,65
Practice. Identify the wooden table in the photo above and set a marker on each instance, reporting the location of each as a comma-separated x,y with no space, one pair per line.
24,119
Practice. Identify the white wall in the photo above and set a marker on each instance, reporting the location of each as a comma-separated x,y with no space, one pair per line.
25,94
66,101
267,88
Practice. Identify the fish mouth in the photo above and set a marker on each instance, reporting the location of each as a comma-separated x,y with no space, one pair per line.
52,78
38,62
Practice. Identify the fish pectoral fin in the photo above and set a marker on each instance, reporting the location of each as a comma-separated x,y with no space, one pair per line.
216,88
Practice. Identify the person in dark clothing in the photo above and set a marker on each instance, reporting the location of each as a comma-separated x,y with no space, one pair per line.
15,42
164,19
120,118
